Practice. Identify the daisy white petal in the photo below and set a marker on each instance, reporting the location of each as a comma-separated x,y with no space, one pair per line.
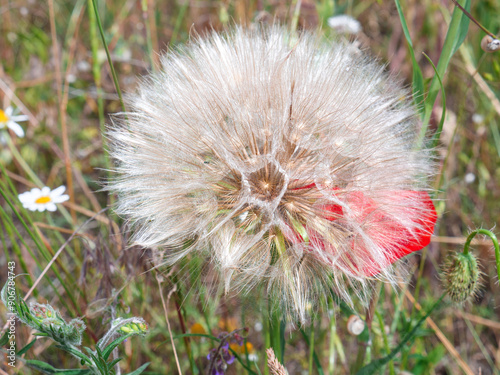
51,207
16,128
24,196
58,191
32,207
60,198
19,118
7,119
42,199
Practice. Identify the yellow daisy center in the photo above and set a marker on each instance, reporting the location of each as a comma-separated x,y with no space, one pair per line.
3,117
41,200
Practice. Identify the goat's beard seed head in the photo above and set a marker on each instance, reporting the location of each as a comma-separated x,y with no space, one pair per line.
286,163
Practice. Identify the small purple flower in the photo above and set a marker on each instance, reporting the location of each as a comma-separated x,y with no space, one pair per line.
221,357
238,339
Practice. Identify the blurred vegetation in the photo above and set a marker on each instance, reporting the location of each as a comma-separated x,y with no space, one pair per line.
54,69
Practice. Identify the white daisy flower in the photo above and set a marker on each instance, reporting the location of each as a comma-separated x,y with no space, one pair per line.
344,24
7,119
43,199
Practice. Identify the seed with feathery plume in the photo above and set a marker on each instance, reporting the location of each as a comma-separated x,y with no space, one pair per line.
286,162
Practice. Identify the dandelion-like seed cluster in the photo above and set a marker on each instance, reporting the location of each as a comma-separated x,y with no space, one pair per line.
286,162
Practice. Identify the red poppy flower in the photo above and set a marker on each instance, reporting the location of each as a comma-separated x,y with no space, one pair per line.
396,238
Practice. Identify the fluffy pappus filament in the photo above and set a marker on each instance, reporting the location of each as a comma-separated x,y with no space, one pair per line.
288,164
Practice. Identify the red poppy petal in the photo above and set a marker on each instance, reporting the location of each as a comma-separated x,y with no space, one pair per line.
394,237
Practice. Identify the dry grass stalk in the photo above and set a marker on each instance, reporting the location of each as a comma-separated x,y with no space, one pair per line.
274,365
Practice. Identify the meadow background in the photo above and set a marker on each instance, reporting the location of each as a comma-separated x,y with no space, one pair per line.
54,69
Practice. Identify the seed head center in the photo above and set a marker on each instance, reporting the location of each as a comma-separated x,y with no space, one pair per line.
267,183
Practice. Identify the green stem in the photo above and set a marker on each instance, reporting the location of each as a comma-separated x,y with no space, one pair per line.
267,328
376,365
364,350
178,22
296,14
493,238
386,341
38,243
333,333
311,347
149,42
444,60
419,277
108,55
96,72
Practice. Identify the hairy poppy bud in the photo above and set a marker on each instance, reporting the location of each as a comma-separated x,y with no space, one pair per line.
461,276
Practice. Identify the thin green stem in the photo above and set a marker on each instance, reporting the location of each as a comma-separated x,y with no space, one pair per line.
43,250
363,348
311,347
376,365
333,333
108,55
296,14
15,247
444,60
22,163
96,72
481,346
149,42
386,341
493,238
267,329
419,277
178,22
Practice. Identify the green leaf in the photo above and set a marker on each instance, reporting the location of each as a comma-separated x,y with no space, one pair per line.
109,349
139,370
114,362
437,134
45,368
463,28
315,357
5,339
418,78
450,44
26,348
377,364
76,353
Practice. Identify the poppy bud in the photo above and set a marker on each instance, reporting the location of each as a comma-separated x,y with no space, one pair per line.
461,276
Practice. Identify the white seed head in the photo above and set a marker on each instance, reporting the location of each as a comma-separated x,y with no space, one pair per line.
344,24
490,44
282,161
355,325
